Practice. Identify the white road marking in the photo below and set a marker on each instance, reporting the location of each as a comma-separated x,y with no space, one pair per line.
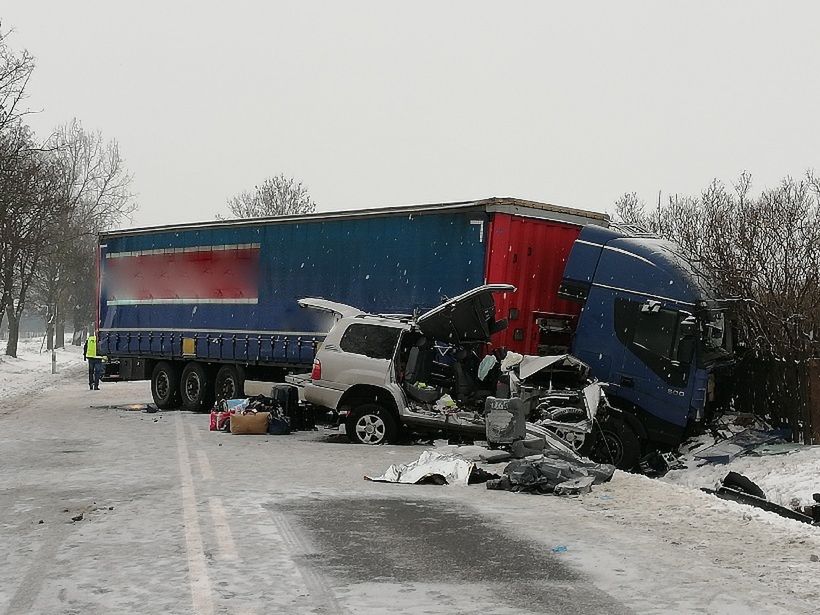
201,595
224,537
204,465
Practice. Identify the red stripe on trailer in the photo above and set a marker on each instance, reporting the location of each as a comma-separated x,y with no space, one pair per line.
207,275
530,254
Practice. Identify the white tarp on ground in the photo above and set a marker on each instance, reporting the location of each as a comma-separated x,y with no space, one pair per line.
453,469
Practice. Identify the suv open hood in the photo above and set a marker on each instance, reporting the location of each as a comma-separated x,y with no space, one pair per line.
344,311
468,318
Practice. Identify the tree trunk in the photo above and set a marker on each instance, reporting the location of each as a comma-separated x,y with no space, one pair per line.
14,333
59,342
49,335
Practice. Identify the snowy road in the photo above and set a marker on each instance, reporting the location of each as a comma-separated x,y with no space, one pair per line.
179,520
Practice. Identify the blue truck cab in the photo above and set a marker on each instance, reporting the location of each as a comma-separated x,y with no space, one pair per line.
651,325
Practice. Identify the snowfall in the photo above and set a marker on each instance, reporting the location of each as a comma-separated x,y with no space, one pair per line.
659,534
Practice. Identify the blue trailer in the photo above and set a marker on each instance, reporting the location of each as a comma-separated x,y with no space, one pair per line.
197,308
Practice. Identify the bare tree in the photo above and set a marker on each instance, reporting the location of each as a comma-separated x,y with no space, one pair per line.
15,72
762,252
30,199
95,187
276,196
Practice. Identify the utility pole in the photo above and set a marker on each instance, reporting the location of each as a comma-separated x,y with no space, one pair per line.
54,345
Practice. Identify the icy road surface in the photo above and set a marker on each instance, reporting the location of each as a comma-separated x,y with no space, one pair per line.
171,518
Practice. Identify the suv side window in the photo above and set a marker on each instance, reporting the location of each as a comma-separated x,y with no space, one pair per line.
370,340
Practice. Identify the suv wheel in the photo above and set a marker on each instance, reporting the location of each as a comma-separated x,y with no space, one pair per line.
371,424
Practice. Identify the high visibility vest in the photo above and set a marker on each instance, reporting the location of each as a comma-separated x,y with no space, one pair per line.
91,347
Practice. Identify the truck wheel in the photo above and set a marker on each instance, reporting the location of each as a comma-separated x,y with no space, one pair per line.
613,441
196,387
165,385
371,424
229,383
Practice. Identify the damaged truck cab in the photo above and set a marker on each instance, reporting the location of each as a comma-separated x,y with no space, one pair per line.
650,326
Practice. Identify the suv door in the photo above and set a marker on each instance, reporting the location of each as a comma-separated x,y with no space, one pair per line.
363,355
467,318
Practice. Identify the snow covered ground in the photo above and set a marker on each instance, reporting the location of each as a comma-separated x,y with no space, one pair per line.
31,370
784,478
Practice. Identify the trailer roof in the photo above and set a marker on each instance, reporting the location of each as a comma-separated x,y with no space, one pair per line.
509,205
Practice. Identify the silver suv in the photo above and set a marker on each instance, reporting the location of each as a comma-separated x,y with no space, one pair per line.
384,371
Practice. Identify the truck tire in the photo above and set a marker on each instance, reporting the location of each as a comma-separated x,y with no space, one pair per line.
613,441
165,385
196,387
371,424
229,382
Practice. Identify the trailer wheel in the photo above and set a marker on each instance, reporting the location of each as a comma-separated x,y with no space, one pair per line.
165,385
196,387
613,441
371,424
229,383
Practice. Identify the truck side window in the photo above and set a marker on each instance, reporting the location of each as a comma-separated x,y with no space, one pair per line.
655,331
654,338
370,340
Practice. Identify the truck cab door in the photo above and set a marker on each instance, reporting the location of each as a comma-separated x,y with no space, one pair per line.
653,372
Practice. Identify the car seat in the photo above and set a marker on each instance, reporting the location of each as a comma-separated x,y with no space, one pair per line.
417,371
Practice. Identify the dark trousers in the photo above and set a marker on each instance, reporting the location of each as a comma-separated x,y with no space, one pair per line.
94,373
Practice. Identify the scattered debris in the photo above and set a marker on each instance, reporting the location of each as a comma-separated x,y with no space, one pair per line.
656,463
740,444
559,549
435,468
40,522
554,472
78,517
738,488
150,408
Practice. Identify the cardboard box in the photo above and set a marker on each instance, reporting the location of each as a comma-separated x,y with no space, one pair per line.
255,424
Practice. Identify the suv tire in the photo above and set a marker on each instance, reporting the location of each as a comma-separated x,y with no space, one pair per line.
371,424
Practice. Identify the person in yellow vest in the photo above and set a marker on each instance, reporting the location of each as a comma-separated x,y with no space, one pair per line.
94,362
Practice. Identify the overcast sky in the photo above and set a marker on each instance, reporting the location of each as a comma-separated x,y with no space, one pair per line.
386,103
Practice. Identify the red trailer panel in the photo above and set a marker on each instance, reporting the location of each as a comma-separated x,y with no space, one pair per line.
529,253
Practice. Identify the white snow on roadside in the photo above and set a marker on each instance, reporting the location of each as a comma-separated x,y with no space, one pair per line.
783,478
31,370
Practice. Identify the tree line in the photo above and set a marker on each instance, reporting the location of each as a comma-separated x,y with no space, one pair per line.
56,194
762,252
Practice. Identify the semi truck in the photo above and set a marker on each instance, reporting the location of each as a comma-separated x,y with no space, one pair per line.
199,308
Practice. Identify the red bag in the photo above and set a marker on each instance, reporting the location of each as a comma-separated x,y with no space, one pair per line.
220,420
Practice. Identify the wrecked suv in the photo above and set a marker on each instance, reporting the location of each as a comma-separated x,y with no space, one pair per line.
384,371
428,372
